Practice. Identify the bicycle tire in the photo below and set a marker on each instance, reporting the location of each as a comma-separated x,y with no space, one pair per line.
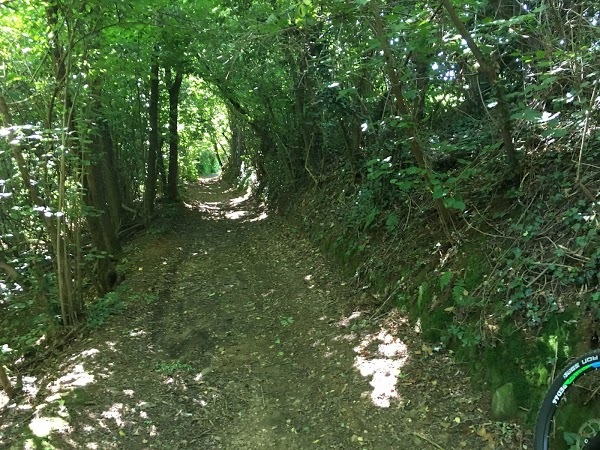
578,368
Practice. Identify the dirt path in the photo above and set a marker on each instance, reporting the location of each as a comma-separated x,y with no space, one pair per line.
239,335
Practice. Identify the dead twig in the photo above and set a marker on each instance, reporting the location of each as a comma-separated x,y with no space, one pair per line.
425,438
584,135
538,277
593,395
591,197
385,301
555,362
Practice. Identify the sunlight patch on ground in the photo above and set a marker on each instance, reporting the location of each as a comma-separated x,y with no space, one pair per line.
380,356
382,364
43,426
236,215
85,354
345,321
114,413
111,346
212,208
228,209
51,416
310,280
350,337
3,399
261,216
137,332
78,377
236,201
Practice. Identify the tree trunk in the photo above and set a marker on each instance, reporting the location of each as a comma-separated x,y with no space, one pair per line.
67,265
95,178
150,191
5,383
173,177
102,230
70,300
110,173
414,141
160,166
489,70
102,192
216,146
302,90
10,271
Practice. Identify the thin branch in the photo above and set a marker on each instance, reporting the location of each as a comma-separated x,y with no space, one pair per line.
585,132
425,438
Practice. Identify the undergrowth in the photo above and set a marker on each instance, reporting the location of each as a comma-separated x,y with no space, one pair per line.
515,291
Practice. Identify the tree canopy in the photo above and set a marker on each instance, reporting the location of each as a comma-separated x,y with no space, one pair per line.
452,124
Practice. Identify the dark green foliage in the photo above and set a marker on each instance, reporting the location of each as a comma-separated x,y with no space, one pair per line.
207,163
172,367
101,309
300,102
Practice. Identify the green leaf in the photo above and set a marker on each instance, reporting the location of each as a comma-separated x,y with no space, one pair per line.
438,192
527,114
413,170
403,185
445,279
392,222
455,203
555,132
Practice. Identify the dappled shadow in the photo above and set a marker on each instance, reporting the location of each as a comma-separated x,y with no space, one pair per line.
382,364
238,335
100,397
217,201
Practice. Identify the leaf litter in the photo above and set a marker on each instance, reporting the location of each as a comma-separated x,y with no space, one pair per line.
240,334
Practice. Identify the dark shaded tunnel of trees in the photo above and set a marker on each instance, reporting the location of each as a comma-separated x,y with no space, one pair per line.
465,126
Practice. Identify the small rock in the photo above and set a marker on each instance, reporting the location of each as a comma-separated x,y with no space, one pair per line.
504,403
